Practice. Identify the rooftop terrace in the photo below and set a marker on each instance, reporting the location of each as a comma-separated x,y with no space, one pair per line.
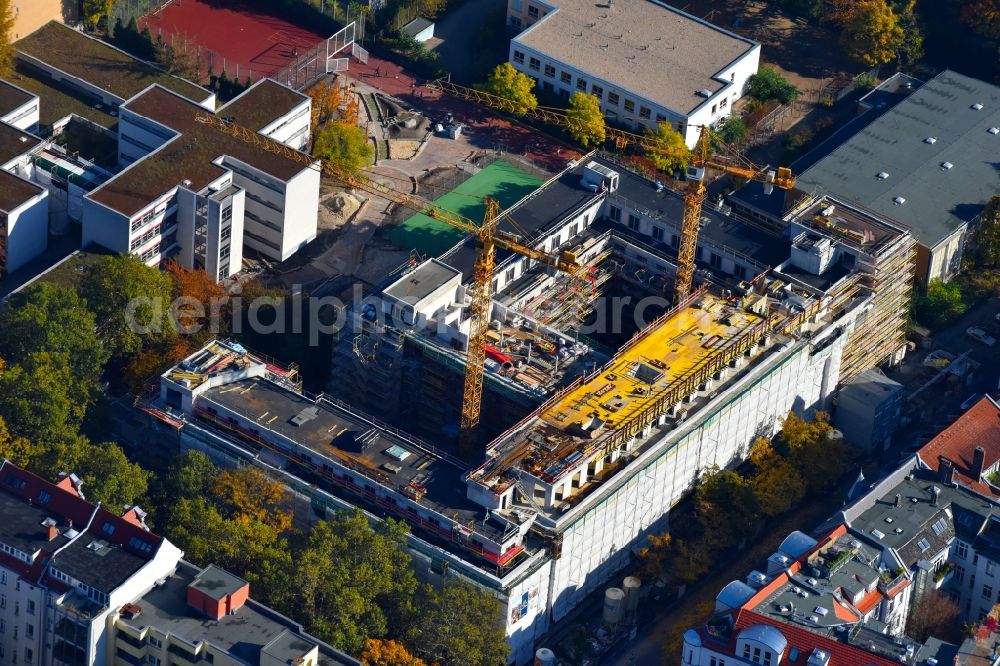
100,64
643,47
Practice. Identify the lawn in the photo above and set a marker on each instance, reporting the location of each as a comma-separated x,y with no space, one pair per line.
500,180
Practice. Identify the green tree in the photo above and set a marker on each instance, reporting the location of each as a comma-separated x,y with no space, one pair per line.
874,34
733,130
986,237
18,450
110,478
35,401
7,17
461,625
131,302
349,579
820,457
96,12
768,84
344,147
776,482
584,119
939,304
514,87
912,48
53,319
666,148
727,508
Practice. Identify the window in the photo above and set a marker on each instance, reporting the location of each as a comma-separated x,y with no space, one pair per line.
644,112
961,550
226,233
3,627
923,545
547,86
534,63
227,214
740,271
29,655
532,11
519,57
633,222
566,77
581,84
658,233
660,118
756,655
550,71
44,497
714,260
988,592
715,108
108,528
154,641
615,213
724,103
152,661
991,568
29,630
31,607
960,574
515,22
629,105
140,545
675,241
597,91
767,658
746,650
613,99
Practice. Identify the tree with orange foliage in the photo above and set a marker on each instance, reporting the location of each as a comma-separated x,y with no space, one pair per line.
148,364
251,496
201,301
983,16
327,98
388,653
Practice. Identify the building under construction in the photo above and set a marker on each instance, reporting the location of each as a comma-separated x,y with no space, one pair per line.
602,421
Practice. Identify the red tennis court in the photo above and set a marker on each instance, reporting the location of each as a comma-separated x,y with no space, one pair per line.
233,36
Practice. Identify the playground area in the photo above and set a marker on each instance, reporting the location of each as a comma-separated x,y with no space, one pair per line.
500,180
236,37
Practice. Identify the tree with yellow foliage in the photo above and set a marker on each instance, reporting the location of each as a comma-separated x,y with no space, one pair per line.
584,120
6,37
327,98
874,34
380,652
251,496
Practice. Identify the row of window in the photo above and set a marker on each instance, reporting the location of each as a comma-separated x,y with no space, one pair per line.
147,126
29,655
262,240
24,114
260,180
263,202
135,142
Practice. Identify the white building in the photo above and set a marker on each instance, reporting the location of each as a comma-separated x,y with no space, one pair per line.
24,206
193,192
646,61
65,565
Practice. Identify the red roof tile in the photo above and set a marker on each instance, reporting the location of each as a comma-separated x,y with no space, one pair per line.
979,426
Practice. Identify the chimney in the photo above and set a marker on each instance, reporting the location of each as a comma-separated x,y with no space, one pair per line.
51,532
897,501
978,460
935,491
946,471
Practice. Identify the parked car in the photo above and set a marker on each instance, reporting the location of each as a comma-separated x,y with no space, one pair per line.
979,335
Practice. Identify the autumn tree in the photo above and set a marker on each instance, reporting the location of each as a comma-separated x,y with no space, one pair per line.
689,560
983,16
461,626
7,17
202,306
727,508
584,120
653,557
513,87
776,482
379,652
733,130
934,613
327,98
344,147
250,495
873,35
18,450
96,12
666,148
820,457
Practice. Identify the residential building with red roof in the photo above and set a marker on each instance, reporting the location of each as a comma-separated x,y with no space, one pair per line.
968,451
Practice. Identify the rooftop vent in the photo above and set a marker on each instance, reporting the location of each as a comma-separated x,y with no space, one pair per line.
946,165
878,534
931,140
819,610
304,416
977,107
994,130
705,92
898,530
888,519
882,175
899,201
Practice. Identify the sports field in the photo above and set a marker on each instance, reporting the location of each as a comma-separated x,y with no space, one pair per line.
500,180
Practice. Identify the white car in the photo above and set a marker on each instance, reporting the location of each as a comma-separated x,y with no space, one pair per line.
979,335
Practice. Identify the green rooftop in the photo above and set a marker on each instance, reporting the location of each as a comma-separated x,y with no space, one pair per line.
57,100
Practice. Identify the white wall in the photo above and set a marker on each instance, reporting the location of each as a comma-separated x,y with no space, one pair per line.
24,117
27,230
946,256
16,595
292,129
301,212
108,228
138,136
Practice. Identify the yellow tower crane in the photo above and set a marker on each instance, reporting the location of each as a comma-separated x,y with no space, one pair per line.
700,160
487,234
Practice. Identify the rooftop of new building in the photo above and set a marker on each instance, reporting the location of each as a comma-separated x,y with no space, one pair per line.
95,547
929,161
262,104
639,46
847,223
192,155
14,143
247,633
12,97
421,282
15,191
100,64
979,426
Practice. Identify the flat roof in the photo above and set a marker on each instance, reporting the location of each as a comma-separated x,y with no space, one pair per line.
217,583
15,190
262,104
648,48
14,142
12,97
58,100
100,64
189,156
637,376
421,282
938,200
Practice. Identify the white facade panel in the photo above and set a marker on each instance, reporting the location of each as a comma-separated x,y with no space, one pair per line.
27,231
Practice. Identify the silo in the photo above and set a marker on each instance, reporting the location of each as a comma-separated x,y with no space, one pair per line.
545,657
631,586
614,605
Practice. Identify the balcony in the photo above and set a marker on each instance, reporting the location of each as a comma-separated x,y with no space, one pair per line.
943,575
183,655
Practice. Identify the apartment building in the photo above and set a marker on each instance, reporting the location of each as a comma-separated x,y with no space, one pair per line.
646,62
65,565
194,193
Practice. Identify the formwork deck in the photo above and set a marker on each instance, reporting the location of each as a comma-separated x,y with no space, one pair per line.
653,361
